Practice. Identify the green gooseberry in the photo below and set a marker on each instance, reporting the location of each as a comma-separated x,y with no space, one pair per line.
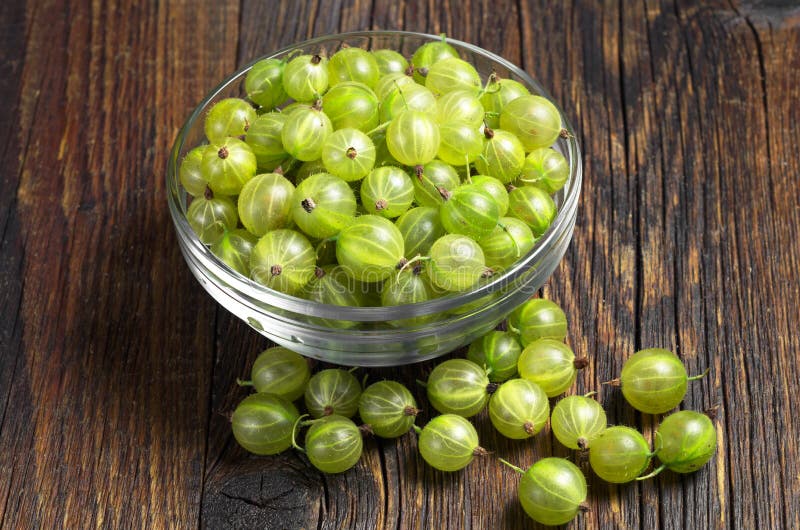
619,454
685,441
281,372
390,62
332,391
550,364
305,78
538,319
552,491
235,249
228,165
370,248
420,228
283,260
264,139
518,409
503,156
211,216
428,54
353,105
498,352
534,206
493,187
265,203
470,211
654,380
506,243
264,423
545,168
577,420
333,444
264,83
388,408
436,180
322,205
305,131
228,117
533,119
449,442
497,95
455,263
459,386
190,172
353,64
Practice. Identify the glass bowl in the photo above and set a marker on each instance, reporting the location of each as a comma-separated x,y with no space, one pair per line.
374,336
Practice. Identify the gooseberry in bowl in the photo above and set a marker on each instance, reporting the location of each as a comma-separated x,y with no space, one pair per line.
413,167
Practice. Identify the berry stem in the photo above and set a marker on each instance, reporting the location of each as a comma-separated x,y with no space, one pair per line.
240,382
699,376
590,394
652,474
512,329
512,466
423,384
514,241
379,128
411,411
613,382
297,423
417,429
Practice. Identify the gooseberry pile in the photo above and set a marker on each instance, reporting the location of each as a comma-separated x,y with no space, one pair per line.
511,372
420,166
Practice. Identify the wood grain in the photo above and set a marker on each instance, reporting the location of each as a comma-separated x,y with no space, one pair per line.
117,371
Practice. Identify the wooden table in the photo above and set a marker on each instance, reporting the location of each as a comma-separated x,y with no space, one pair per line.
117,370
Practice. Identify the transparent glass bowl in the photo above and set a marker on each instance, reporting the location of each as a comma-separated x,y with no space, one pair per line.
374,336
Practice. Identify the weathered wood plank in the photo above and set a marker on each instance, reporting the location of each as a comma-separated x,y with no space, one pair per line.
111,393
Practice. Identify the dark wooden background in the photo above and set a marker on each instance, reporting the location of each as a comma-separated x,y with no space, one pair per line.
116,369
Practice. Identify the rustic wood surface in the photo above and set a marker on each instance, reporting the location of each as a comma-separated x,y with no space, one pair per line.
116,369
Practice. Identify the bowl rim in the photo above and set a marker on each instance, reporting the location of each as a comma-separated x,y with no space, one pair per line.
256,294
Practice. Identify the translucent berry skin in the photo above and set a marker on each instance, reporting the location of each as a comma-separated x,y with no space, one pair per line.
211,218
263,423
387,191
283,260
458,386
619,454
495,188
429,54
533,119
228,165
348,154
190,172
498,94
333,444
265,203
503,157
470,211
413,138
390,62
506,243
534,206
498,352
436,176
518,409
391,82
307,169
352,105
456,263
653,381
407,287
228,117
305,78
460,105
451,74
685,441
388,408
330,287
420,228
305,132
281,372
264,84
552,490
264,139
577,420
369,248
235,249
322,205
408,96
545,168
448,442
550,364
539,319
353,64
459,143
332,391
